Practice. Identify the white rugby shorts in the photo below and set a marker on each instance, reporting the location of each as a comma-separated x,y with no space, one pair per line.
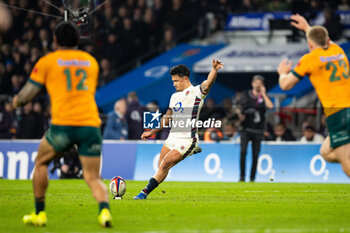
186,146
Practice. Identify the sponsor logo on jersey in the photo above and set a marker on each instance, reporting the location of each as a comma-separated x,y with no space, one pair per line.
73,62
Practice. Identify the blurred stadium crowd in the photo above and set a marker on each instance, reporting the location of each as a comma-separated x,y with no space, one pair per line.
125,122
127,33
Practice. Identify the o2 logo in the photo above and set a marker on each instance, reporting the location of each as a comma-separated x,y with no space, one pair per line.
216,169
320,171
265,158
178,107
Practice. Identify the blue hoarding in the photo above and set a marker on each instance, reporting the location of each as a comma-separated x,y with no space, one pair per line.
220,162
260,21
293,162
118,159
254,21
17,159
206,166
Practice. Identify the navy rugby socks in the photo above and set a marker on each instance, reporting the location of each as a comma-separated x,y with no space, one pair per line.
153,183
103,205
39,204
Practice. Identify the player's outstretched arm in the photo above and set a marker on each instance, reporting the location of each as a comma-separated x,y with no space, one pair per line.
287,80
27,93
207,84
300,22
164,121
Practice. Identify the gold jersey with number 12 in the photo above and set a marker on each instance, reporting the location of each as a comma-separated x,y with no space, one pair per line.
70,77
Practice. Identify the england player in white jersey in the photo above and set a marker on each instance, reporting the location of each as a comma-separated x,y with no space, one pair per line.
183,112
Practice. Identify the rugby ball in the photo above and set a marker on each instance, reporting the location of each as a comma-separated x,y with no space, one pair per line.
117,186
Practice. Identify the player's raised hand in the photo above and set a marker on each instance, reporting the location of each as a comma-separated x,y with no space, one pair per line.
217,64
300,22
146,135
284,67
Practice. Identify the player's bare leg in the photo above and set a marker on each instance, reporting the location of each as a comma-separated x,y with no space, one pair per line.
165,150
327,151
46,154
167,161
91,173
343,156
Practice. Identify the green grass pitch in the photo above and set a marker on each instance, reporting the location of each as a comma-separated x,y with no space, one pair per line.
185,207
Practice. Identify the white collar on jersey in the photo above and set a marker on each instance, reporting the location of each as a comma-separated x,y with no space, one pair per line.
187,89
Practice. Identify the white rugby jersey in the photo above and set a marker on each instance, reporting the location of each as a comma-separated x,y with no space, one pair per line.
186,106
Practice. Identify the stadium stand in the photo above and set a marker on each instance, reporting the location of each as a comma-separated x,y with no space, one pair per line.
155,26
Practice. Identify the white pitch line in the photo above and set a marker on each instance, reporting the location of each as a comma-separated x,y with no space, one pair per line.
277,230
